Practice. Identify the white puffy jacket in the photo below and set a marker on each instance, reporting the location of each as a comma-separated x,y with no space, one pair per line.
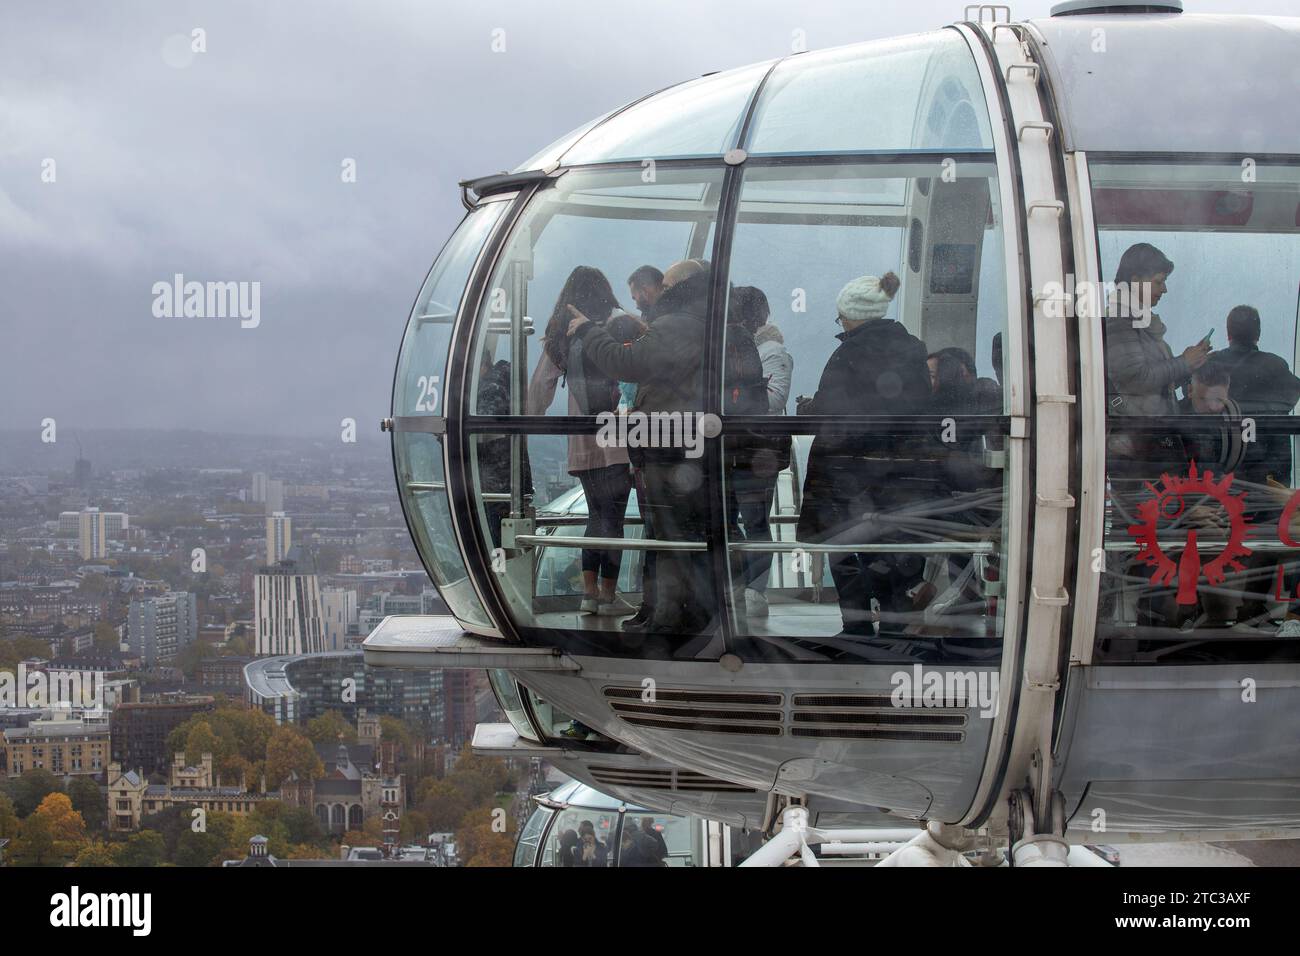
778,366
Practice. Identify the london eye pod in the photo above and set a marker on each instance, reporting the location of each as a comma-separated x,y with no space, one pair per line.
976,561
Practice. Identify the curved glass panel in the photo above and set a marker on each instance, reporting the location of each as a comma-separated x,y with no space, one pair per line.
697,118
512,705
552,153
917,92
812,330
531,836
417,391
423,359
659,839
581,836
1200,267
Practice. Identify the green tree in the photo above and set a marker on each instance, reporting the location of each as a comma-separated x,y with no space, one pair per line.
21,647
198,849
145,848
34,845
89,801
96,854
31,788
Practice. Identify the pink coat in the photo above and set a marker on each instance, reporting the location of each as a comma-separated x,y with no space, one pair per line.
584,451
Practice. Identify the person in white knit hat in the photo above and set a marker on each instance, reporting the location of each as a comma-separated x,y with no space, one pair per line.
879,368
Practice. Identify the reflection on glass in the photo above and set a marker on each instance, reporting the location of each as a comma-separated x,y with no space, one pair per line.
423,359
417,391
804,233
424,491
546,575
581,837
1200,334
888,549
507,692
698,118
526,848
650,839
919,92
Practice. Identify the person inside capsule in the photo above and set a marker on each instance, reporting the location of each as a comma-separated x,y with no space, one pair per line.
754,463
601,468
666,365
856,483
1144,373
646,285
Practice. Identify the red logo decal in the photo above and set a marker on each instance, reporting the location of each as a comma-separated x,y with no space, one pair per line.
1172,498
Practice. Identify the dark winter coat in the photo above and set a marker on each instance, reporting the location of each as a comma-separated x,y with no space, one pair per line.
666,362
878,369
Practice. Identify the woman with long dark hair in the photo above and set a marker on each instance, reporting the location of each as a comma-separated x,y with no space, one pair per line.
603,470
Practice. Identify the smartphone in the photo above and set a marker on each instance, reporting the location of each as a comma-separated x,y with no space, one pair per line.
1208,335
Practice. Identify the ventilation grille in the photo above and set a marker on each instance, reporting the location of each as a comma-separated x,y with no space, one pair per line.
875,717
714,712
680,781
832,716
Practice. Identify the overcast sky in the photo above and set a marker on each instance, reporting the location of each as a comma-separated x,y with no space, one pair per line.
225,165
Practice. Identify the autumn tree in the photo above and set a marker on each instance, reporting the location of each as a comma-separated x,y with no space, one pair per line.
331,727
52,836
289,751
442,803
485,838
8,818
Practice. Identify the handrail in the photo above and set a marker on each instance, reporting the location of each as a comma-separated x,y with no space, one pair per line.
650,544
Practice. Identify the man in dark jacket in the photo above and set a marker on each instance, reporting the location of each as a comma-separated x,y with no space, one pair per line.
879,368
1262,384
666,365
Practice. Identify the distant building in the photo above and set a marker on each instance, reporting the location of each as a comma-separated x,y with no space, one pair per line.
115,522
274,496
287,608
338,614
259,487
279,537
159,628
93,534
131,797
222,673
140,731
460,704
66,748
295,689
360,783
